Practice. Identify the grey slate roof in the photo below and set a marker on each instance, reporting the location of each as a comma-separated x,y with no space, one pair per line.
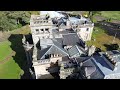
82,59
40,53
89,70
46,42
70,39
56,42
88,67
97,67
72,51
53,49
60,40
97,75
75,50
54,46
103,67
88,63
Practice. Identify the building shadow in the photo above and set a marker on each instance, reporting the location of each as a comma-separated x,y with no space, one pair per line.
54,70
20,56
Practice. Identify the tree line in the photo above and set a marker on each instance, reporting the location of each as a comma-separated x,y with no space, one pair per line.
10,20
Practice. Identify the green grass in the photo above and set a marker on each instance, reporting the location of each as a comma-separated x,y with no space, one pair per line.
10,70
99,34
111,14
22,30
5,49
101,38
97,31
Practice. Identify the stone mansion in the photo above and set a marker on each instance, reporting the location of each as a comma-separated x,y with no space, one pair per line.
56,48
55,38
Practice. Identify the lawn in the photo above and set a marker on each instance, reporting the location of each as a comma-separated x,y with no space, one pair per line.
10,70
99,38
5,49
111,14
22,30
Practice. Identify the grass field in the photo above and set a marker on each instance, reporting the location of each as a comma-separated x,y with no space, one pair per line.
111,14
101,38
22,30
10,69
5,49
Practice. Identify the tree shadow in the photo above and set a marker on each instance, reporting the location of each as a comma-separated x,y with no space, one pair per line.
20,56
111,47
110,28
108,47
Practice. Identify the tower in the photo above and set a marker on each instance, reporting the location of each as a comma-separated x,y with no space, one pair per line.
41,27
